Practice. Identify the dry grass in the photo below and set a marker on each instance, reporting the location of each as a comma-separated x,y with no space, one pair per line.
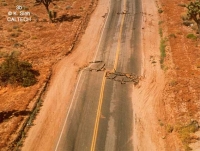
185,132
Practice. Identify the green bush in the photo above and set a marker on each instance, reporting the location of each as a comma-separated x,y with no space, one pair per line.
192,36
185,133
13,71
162,50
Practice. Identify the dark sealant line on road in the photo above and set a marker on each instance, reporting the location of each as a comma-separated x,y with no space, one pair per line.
93,146
136,39
121,102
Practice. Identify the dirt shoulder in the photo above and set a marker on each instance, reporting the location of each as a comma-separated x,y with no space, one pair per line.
42,44
147,103
56,102
166,103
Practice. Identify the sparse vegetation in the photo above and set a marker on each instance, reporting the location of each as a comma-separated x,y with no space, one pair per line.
14,35
4,4
187,23
172,36
160,32
3,54
169,128
13,71
162,51
160,22
192,36
46,3
184,17
34,37
43,51
15,27
162,47
185,133
173,83
194,12
160,123
160,10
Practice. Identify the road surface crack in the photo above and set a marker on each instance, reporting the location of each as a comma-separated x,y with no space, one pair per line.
99,66
123,78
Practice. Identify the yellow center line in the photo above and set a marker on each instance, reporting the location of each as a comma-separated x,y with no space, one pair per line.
94,138
98,113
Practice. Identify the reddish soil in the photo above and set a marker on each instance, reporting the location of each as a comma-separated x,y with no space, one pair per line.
167,100
147,96
182,70
42,44
44,135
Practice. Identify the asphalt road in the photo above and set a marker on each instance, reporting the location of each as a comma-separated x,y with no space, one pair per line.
101,114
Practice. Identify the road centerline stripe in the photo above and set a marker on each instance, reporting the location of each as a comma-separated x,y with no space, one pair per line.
94,138
98,113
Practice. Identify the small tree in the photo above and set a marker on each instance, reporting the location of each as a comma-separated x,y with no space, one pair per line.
46,3
13,71
194,12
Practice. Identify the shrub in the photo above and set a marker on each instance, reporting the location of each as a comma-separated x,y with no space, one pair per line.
160,22
192,36
162,50
13,71
169,128
14,35
4,4
160,10
185,132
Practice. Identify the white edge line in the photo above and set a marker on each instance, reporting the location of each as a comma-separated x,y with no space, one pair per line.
79,81
102,33
68,111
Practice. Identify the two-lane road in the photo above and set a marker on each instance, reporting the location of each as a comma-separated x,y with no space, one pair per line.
101,116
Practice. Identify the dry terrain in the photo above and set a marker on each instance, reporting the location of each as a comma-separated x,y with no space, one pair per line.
42,44
167,108
182,90
166,102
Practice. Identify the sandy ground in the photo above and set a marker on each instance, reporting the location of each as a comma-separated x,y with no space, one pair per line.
148,107
33,42
182,91
168,97
148,134
149,102
49,122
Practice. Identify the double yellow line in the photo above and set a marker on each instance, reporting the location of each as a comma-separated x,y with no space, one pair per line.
98,113
94,138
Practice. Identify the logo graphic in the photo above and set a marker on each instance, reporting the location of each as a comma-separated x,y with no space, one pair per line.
18,7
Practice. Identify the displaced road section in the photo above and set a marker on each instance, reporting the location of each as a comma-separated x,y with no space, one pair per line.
100,116
43,136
